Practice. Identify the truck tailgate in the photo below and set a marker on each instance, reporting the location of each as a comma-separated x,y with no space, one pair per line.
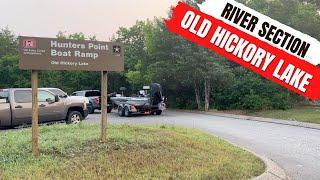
5,114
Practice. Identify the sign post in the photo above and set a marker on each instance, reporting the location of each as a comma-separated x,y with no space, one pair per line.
104,104
71,55
35,113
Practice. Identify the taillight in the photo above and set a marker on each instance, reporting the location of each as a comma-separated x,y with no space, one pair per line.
163,106
133,109
97,100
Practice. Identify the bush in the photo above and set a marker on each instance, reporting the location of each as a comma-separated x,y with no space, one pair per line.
254,102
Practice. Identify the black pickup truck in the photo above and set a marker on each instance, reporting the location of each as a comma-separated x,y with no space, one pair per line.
94,97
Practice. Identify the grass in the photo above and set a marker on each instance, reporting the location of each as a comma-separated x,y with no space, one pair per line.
132,152
304,114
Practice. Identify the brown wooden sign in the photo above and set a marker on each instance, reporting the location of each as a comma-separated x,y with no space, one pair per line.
65,54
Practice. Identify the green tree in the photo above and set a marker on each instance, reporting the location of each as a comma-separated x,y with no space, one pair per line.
11,75
136,57
191,76
8,43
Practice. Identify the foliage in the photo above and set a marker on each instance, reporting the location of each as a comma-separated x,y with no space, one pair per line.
11,75
8,43
152,54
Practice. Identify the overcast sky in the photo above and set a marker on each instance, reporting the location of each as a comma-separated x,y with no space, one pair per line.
92,17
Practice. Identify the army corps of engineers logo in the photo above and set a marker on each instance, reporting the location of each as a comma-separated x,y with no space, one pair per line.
117,50
29,43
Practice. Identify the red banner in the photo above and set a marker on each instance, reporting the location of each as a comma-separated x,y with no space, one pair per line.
270,62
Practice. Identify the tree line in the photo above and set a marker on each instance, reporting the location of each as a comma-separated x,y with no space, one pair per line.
192,77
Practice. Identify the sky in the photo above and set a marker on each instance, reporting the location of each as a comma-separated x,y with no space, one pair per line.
45,18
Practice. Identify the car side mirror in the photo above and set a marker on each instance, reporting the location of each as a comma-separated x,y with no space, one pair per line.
50,101
56,98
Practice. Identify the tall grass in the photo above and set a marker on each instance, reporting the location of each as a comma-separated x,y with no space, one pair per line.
132,152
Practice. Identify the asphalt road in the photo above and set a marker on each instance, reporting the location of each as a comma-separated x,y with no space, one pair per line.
296,149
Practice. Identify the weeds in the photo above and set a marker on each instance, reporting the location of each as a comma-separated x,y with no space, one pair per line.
132,152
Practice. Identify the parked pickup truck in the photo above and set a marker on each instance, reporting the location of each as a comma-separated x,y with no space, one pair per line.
16,107
94,97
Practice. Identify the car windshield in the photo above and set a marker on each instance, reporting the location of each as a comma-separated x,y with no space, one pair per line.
92,93
58,92
4,94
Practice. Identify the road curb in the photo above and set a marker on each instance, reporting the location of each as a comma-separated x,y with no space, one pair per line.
273,170
260,119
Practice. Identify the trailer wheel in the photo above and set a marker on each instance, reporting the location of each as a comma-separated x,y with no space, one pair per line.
158,112
120,111
127,112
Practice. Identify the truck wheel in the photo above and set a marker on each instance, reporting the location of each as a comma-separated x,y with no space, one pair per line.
74,117
109,110
127,112
120,111
90,109
158,112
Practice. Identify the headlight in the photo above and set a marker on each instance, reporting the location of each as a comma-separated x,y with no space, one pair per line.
85,106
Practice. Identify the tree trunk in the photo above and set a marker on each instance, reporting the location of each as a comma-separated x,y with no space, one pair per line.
197,93
207,90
